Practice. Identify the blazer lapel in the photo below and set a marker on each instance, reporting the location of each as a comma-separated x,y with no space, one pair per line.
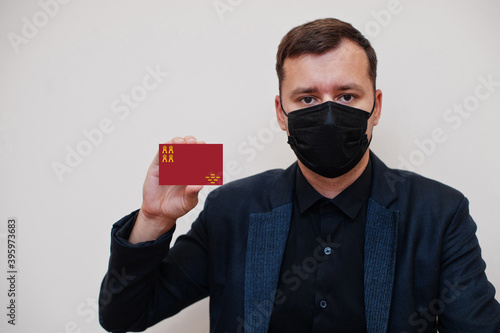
267,237
380,249
380,263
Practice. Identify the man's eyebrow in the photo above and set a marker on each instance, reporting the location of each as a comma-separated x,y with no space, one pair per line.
313,90
300,91
350,86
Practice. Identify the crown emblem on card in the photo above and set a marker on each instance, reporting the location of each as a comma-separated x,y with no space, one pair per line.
212,179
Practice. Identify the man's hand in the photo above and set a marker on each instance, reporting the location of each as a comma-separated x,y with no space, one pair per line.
162,205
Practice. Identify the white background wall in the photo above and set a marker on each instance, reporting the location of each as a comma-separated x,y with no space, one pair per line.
66,76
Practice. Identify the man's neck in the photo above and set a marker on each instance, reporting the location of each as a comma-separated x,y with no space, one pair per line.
331,187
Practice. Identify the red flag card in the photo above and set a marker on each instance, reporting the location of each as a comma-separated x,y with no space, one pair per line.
190,164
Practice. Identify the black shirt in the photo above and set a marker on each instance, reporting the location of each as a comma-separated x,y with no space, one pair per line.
321,288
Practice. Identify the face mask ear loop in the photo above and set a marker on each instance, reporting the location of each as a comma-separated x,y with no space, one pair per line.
371,112
281,104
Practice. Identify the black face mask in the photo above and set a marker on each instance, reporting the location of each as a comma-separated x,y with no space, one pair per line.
330,138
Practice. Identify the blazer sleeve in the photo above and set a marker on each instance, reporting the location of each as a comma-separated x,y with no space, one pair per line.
466,302
148,282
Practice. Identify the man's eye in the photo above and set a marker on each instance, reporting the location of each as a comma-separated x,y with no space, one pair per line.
307,100
346,98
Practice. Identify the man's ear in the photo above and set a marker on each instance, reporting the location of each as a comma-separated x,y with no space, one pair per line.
280,116
378,107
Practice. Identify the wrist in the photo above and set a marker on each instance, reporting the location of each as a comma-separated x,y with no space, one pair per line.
149,228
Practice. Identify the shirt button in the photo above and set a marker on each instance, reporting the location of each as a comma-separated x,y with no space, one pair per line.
328,250
323,304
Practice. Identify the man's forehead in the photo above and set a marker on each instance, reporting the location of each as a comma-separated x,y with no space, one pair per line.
345,66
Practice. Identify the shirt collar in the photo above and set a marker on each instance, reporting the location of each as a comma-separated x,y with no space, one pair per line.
305,193
350,201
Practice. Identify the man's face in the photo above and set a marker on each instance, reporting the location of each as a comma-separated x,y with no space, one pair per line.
340,75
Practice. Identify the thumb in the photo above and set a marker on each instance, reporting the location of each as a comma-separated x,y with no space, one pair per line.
191,195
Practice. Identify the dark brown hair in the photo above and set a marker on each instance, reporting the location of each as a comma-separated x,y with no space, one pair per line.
321,36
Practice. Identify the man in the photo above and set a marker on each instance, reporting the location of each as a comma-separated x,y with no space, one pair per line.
338,242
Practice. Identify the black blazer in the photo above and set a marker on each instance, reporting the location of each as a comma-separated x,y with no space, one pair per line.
423,265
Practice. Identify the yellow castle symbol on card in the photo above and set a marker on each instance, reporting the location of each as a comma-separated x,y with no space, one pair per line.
167,158
170,150
170,157
212,179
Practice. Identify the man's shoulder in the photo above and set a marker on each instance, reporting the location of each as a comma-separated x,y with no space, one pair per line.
402,184
405,180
